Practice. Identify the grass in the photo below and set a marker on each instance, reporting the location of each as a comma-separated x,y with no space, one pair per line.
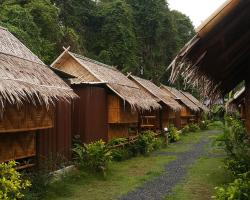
203,176
121,178
125,176
184,144
216,125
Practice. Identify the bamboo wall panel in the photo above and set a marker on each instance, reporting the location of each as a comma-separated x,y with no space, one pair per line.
117,131
184,111
15,146
71,66
26,118
90,113
119,111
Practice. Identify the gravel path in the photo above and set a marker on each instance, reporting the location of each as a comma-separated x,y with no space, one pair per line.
175,171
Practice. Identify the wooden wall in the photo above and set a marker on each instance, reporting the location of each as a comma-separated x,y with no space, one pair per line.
247,103
89,115
25,118
18,126
119,111
15,146
55,143
165,114
120,117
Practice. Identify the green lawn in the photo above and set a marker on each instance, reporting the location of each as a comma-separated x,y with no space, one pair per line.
184,144
206,173
121,178
125,176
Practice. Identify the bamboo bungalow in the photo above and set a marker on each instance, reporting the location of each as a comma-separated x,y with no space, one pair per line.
109,102
203,108
189,110
217,58
29,93
157,119
237,103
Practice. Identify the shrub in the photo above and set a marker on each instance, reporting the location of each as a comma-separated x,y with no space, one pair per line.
204,124
216,125
193,128
239,189
11,184
174,135
119,153
185,130
237,146
145,142
94,156
158,143
117,141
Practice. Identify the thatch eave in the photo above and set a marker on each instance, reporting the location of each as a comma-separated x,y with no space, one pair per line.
25,78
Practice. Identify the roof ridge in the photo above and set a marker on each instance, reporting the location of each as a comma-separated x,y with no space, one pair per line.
94,61
1,27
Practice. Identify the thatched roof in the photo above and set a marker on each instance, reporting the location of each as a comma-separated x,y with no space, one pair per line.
157,92
24,77
196,101
217,58
180,97
233,103
93,71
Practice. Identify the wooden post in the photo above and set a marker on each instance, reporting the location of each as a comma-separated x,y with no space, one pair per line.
166,133
178,120
247,106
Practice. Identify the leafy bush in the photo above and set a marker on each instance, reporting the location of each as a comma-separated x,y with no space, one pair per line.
158,143
216,125
204,124
185,130
145,142
94,156
193,128
239,189
11,184
174,135
119,153
237,145
116,141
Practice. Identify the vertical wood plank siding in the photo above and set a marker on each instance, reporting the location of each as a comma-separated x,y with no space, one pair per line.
90,113
56,141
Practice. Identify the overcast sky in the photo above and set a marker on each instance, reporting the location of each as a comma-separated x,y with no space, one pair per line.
197,10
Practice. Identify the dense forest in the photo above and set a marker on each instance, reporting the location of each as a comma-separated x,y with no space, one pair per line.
138,36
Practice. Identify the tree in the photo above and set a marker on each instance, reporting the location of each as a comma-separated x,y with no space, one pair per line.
36,24
183,31
153,26
115,41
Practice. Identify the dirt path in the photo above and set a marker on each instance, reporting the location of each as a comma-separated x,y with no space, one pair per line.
175,171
